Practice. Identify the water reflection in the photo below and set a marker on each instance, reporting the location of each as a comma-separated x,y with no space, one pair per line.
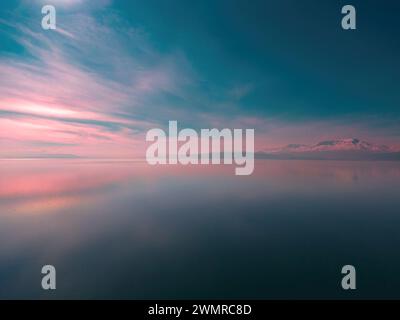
118,229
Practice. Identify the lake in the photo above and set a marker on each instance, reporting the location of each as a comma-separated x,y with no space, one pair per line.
127,230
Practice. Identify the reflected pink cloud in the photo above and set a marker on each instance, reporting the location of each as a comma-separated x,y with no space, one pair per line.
52,186
41,186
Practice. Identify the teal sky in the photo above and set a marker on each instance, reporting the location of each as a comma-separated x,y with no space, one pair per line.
285,68
293,56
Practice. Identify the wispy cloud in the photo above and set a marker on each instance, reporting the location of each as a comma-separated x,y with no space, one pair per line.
80,88
93,86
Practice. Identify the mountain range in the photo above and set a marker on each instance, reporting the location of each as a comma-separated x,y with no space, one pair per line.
338,149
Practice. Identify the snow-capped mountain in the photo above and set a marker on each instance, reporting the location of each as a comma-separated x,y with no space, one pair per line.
351,149
351,144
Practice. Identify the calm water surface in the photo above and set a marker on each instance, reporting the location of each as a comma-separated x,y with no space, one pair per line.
127,230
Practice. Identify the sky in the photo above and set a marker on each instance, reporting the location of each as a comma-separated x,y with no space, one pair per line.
113,69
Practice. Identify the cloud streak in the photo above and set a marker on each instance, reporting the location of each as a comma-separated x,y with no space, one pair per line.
93,87
79,88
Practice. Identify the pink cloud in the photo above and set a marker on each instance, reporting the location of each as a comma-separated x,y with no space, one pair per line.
57,102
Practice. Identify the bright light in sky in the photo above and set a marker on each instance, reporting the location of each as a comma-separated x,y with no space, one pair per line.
38,109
